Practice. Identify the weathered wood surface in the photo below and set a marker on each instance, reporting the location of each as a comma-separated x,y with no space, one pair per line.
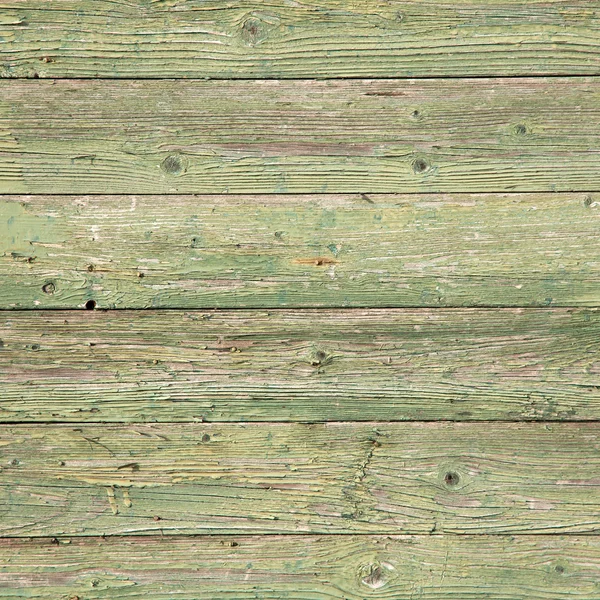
313,365
309,568
324,38
290,478
444,135
273,251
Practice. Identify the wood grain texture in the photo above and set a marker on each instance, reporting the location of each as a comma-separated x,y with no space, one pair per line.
309,568
290,478
391,136
313,365
277,251
313,38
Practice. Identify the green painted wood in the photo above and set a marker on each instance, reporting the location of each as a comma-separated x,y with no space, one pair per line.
324,38
290,478
277,251
313,365
306,568
449,135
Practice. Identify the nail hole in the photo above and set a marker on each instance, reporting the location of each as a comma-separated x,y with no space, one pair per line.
35,347
90,305
415,113
587,201
420,166
206,438
91,268
559,569
451,478
49,288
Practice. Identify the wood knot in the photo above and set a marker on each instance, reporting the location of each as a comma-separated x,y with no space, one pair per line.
520,129
451,478
48,288
173,165
253,31
375,575
420,165
319,358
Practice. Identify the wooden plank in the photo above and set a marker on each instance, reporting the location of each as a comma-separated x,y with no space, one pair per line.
277,251
306,568
313,366
324,38
451,135
275,478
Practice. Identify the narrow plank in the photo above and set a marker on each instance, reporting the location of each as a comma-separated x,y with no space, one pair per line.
316,365
383,478
324,38
451,135
277,251
310,568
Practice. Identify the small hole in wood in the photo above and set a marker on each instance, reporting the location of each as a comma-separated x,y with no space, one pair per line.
90,305
49,288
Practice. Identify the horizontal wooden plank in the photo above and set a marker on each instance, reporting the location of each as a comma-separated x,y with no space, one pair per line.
324,38
275,478
277,251
315,365
309,568
390,136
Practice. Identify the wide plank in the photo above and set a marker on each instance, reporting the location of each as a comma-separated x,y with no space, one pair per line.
277,250
389,136
306,568
313,38
291,478
310,365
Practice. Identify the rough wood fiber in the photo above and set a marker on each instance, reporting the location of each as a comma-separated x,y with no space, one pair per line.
314,38
310,568
446,135
272,251
310,365
289,478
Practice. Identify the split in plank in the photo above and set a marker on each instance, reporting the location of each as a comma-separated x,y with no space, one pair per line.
300,251
312,365
313,38
383,478
390,136
306,568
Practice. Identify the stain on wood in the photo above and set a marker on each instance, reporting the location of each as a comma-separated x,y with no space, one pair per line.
273,567
342,136
281,250
324,38
325,365
454,478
